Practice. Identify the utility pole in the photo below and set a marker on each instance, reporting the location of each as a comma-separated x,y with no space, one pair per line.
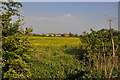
110,19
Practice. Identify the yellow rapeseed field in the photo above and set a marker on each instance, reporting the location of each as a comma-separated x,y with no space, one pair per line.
54,41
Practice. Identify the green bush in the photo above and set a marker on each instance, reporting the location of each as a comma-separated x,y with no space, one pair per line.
15,52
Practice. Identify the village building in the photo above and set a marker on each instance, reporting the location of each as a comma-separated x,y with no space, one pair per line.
65,35
58,35
50,34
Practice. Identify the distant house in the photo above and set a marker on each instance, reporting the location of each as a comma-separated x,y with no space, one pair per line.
65,35
50,34
58,35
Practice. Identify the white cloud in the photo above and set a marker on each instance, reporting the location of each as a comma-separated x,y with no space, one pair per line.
68,15
67,18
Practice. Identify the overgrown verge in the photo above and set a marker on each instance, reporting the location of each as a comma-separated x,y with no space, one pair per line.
99,59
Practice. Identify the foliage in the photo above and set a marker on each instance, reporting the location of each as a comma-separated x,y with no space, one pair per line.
55,62
15,47
76,35
70,34
15,52
10,9
43,35
28,30
98,55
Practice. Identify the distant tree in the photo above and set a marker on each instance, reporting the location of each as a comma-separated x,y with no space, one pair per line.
49,36
38,35
76,35
54,34
71,35
43,35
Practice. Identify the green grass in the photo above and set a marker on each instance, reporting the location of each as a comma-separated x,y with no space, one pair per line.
55,61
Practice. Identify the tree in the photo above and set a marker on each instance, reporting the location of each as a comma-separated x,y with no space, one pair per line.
98,53
15,47
43,35
10,9
76,35
70,34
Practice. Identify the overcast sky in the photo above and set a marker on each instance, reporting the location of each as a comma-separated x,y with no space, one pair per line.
65,17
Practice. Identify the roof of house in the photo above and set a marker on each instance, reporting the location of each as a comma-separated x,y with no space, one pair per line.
58,34
66,34
49,33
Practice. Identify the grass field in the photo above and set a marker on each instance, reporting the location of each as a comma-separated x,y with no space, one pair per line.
56,57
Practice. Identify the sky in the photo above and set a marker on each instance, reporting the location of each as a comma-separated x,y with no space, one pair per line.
66,0
65,17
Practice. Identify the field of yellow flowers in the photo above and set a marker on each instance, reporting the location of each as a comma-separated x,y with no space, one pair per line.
54,41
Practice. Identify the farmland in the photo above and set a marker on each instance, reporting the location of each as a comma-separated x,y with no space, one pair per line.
54,41
26,55
55,57
70,57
